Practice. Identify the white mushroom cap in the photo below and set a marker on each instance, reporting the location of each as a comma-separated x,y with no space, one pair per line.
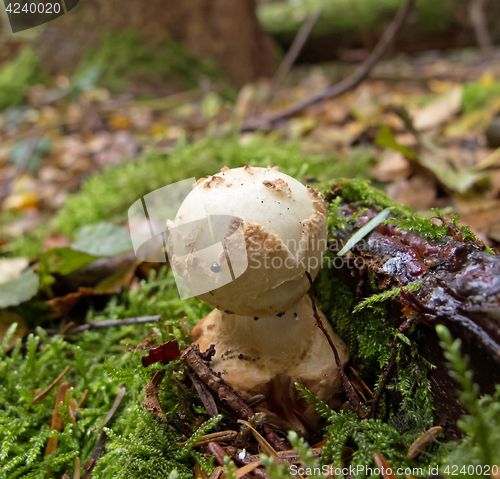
284,228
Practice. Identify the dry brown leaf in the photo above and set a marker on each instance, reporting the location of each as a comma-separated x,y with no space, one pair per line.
438,112
391,166
151,401
64,304
57,424
383,465
421,442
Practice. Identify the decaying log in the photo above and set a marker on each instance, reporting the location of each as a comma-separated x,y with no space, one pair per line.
460,289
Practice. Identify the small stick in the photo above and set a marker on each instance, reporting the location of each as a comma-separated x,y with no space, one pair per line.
217,452
222,436
114,407
350,82
385,377
205,395
96,454
218,471
40,397
114,322
191,357
295,49
289,456
348,388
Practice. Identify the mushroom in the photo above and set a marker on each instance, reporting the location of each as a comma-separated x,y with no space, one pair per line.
249,261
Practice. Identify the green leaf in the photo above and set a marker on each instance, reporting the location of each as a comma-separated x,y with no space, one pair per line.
24,148
19,290
386,139
459,180
64,260
102,239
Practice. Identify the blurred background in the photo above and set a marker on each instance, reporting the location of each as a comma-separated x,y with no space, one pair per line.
110,84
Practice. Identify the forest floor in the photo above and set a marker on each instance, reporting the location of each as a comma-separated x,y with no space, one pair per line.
422,120
425,129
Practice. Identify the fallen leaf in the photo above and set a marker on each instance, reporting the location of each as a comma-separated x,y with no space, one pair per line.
57,423
386,139
19,289
62,305
20,201
438,112
418,192
164,353
421,442
459,180
11,268
102,239
151,401
391,166
120,122
384,466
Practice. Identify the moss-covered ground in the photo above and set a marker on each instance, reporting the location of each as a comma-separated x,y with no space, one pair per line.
141,445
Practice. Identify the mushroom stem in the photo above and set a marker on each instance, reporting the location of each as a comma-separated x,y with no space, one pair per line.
268,355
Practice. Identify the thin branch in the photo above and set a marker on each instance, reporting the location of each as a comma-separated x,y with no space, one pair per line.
295,49
114,322
348,387
191,357
114,407
40,397
385,377
350,82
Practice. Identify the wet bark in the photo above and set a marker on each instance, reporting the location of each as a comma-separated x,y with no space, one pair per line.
461,290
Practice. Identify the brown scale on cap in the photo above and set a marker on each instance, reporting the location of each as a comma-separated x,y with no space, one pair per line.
248,169
214,181
279,186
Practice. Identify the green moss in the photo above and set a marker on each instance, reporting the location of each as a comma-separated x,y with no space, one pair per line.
123,56
481,446
100,362
477,96
17,76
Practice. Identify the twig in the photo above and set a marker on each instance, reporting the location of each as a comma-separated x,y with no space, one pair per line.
191,357
114,322
96,454
295,49
347,84
385,377
114,407
205,395
348,387
40,397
